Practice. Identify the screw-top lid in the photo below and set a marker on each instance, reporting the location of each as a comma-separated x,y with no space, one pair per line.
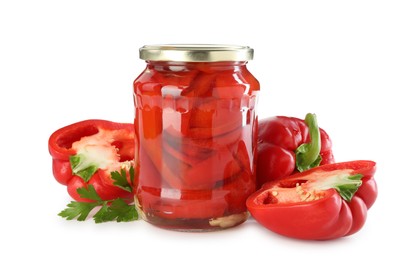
196,52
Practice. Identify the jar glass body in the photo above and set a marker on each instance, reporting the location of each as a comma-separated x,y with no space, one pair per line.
195,125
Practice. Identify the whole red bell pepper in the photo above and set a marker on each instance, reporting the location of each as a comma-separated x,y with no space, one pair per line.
87,152
287,145
326,202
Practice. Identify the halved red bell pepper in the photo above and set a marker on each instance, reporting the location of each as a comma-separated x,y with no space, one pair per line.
87,152
326,202
287,145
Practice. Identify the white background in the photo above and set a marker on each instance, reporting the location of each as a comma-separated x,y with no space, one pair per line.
66,61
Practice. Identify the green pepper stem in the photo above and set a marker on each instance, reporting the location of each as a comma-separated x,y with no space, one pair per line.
83,166
345,184
308,154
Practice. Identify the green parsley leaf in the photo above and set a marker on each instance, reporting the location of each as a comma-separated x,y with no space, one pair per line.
79,210
120,179
118,210
109,210
124,212
88,193
103,215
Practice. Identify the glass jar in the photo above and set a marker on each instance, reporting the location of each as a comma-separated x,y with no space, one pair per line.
195,124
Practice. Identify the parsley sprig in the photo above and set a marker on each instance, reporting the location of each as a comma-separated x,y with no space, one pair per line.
120,179
108,210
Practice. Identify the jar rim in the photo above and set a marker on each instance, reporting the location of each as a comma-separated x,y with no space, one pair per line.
196,52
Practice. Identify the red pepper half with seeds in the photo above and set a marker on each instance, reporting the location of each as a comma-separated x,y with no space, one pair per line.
288,145
322,203
87,152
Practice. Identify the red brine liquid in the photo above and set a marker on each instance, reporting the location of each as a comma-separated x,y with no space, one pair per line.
196,127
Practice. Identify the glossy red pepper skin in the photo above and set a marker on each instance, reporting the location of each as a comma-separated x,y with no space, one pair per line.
278,139
328,217
60,148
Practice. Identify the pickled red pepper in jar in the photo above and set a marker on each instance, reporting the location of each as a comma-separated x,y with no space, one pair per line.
196,123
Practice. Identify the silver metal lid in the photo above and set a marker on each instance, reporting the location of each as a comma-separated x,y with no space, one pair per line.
196,52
